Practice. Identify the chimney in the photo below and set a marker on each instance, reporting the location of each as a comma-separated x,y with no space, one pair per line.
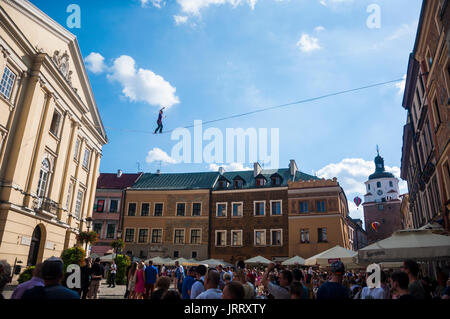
293,168
221,170
256,169
119,173
158,172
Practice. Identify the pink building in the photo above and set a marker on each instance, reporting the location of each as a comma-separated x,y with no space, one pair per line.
108,208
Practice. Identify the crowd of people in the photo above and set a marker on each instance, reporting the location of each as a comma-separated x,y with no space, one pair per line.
148,281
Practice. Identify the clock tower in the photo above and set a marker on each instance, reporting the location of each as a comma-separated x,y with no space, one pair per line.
381,203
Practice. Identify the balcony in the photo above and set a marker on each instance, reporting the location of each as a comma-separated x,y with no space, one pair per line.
46,206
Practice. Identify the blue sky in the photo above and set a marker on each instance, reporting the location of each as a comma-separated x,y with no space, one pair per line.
231,56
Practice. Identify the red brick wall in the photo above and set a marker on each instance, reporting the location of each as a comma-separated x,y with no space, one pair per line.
390,220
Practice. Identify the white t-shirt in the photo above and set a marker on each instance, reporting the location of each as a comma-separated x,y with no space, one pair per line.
372,293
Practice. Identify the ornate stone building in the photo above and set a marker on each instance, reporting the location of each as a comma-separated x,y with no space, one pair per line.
426,147
51,136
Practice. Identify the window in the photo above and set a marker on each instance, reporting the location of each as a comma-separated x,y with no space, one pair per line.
69,195
303,207
143,236
276,181
238,183
113,205
259,208
378,184
56,120
176,254
179,236
260,181
381,207
321,206
221,238
195,236
100,206
368,187
322,235
194,255
236,238
87,154
196,209
77,149
98,228
438,114
145,209
132,209
221,210
237,210
158,209
181,209
276,208
156,236
260,237
78,204
275,237
223,184
304,236
43,178
391,184
129,235
110,231
7,83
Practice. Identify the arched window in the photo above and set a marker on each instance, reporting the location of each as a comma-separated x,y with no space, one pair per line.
43,178
391,184
379,184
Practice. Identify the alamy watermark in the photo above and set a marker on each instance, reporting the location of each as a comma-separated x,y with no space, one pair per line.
236,145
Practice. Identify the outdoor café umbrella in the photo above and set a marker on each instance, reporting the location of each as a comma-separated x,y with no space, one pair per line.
294,261
107,258
407,244
213,262
259,260
160,261
331,255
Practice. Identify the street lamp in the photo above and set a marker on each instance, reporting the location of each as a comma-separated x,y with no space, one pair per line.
88,225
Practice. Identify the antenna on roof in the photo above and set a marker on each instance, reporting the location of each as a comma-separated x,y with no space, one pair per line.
138,166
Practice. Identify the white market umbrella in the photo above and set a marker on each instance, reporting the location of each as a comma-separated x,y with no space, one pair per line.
331,255
294,261
160,261
407,244
107,258
259,260
214,263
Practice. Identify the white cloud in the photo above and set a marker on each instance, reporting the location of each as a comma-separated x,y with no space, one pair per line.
142,84
403,30
158,155
319,29
308,43
194,6
401,85
180,19
351,174
95,62
232,167
155,3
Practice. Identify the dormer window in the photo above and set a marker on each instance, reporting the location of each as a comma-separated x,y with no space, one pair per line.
238,183
276,181
222,184
260,181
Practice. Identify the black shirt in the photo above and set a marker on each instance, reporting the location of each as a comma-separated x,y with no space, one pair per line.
97,270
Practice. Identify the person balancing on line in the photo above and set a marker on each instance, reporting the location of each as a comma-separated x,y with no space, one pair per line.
159,122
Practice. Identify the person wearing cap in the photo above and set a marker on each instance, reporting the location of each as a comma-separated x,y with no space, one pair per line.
52,273
333,288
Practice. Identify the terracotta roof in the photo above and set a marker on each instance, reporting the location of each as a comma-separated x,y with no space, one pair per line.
111,181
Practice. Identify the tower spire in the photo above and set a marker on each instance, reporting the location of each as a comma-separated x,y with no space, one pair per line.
378,150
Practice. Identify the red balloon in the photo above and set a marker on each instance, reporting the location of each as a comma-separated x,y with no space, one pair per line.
357,201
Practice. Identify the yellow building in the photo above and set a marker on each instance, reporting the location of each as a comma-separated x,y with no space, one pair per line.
51,136
317,217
